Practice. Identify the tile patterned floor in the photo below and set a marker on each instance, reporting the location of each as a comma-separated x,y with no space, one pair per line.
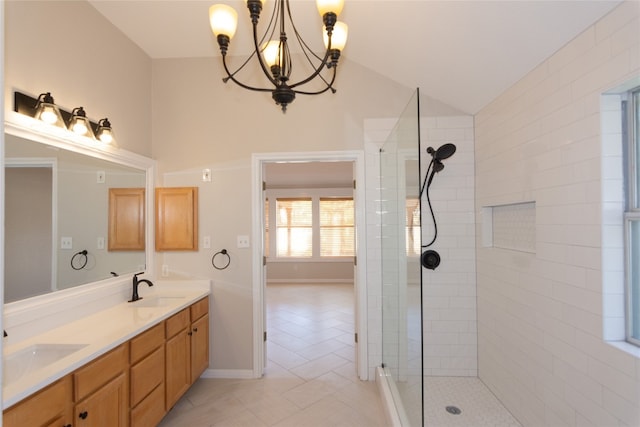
310,379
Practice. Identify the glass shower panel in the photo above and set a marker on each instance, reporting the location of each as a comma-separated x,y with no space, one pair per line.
401,272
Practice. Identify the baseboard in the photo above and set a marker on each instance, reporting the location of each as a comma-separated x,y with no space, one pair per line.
228,373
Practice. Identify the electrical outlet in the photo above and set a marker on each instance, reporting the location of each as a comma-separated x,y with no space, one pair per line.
66,243
100,243
206,175
100,177
206,242
165,270
243,241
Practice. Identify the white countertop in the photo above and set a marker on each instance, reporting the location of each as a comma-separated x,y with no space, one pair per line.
99,333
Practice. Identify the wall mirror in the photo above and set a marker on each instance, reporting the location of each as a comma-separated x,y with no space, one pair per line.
57,211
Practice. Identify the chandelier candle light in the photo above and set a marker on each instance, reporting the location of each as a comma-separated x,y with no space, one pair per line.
274,55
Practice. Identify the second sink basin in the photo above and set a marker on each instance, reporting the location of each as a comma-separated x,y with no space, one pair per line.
156,301
33,358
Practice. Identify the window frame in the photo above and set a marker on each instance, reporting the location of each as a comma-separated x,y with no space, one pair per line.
631,126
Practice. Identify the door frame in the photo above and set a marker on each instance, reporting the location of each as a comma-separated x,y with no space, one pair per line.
258,275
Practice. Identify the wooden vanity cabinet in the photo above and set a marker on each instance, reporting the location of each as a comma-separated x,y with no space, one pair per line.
147,377
50,407
101,391
178,374
199,338
187,349
134,384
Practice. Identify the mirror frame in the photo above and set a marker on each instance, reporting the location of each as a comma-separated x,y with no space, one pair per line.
28,128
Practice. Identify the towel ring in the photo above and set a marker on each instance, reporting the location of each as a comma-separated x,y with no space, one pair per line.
83,260
224,253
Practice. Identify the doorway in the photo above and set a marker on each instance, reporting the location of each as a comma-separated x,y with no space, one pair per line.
262,164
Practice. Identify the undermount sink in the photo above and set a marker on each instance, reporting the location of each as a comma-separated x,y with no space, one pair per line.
34,358
156,301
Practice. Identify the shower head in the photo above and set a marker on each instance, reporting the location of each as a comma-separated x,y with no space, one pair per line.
444,152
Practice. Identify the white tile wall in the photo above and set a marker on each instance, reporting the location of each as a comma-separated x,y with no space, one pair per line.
543,318
450,342
449,291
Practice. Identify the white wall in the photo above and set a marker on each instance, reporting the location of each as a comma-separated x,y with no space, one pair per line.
540,316
69,49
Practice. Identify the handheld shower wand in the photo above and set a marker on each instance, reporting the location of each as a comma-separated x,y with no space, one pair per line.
430,258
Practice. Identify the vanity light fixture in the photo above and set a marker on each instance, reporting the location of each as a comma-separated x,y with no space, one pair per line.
48,111
43,108
79,124
104,133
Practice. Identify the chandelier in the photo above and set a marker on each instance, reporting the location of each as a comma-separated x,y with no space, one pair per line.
271,49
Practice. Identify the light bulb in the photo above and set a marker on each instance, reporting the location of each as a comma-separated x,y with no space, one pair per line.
326,6
79,127
271,52
223,20
338,36
48,115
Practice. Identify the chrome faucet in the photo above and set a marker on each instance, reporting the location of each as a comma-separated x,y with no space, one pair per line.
136,282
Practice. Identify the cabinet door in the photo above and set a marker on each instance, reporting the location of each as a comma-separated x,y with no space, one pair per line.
177,219
50,407
107,407
178,372
199,347
126,219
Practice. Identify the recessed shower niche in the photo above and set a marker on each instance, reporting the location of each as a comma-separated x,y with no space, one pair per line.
510,226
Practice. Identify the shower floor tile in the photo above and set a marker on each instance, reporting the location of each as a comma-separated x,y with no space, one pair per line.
478,406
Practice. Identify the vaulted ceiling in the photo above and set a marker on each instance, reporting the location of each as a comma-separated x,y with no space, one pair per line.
464,53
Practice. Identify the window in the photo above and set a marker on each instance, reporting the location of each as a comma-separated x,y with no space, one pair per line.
294,227
632,217
336,227
313,227
413,226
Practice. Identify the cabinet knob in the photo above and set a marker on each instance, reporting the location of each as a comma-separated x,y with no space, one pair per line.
195,329
189,333
83,415
68,425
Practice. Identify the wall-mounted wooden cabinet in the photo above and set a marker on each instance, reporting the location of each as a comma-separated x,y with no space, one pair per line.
177,219
126,219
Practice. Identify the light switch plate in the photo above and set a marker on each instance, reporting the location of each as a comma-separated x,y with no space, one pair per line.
206,242
243,241
66,243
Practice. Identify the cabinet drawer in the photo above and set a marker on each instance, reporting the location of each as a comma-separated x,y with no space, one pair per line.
43,407
151,410
199,309
146,342
177,322
97,373
147,375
